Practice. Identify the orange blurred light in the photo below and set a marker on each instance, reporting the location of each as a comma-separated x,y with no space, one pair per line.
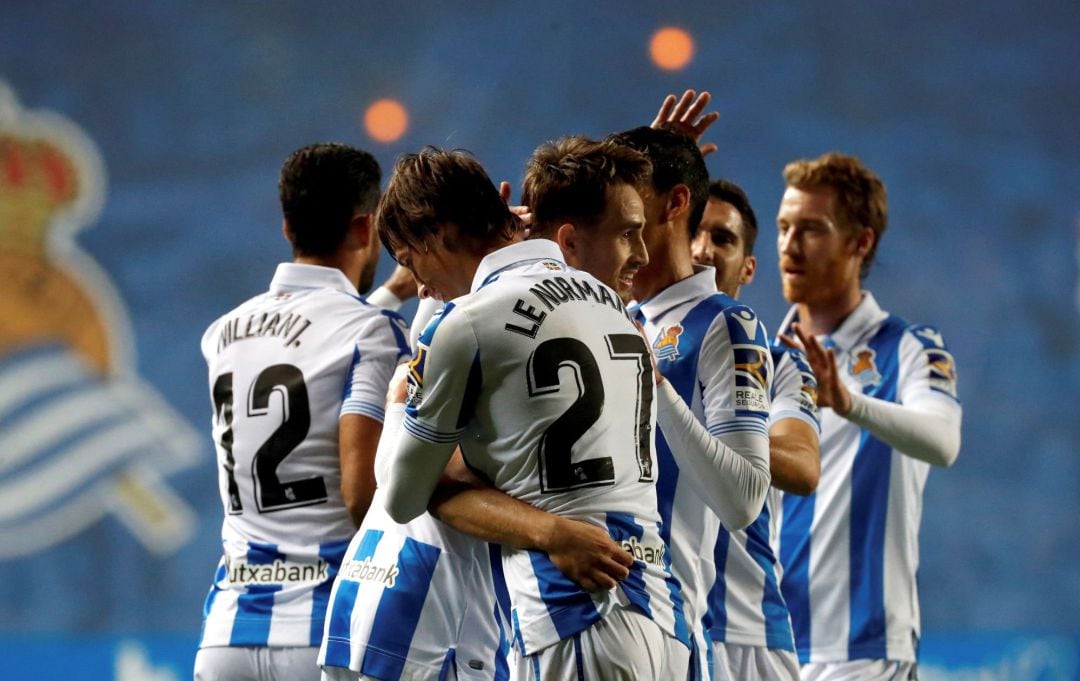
671,48
386,120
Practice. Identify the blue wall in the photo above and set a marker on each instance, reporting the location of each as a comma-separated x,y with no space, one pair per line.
968,112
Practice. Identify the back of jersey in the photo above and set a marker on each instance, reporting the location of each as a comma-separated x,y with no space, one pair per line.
557,411
281,367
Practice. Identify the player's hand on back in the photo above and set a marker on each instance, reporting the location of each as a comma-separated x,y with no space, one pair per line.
588,555
684,115
831,390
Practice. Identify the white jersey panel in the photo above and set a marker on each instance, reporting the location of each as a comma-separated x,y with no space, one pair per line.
547,385
850,550
282,367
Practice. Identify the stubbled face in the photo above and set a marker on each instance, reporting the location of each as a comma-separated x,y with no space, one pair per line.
442,272
819,259
720,242
613,250
369,263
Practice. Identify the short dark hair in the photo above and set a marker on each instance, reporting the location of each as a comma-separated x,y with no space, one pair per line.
675,159
860,194
321,187
729,192
437,187
568,179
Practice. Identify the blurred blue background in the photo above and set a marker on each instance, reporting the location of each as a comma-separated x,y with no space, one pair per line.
969,112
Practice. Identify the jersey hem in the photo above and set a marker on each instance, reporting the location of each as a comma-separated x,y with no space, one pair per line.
894,653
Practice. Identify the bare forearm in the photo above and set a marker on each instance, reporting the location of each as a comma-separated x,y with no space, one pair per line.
491,515
794,457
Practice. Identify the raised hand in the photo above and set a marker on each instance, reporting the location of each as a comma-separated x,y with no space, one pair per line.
684,115
831,390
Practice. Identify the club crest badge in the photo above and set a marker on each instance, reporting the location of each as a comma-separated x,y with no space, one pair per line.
863,368
666,345
82,435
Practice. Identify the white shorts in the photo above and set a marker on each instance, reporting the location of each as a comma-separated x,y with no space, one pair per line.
256,664
859,670
733,662
625,645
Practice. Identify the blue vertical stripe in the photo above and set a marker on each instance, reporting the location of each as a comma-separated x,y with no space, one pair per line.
773,608
399,609
621,527
339,629
578,662
716,619
501,612
795,544
255,607
870,473
570,607
448,664
332,553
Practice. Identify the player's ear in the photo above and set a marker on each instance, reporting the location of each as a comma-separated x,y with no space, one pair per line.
678,203
286,231
864,241
566,237
362,230
749,267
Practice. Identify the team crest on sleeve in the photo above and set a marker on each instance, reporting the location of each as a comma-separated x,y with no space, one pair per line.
863,368
666,345
416,377
808,389
751,378
942,371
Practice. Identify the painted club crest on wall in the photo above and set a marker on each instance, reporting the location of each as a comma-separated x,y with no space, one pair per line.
81,436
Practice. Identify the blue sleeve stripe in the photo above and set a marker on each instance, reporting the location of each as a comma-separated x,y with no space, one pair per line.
357,406
800,414
739,426
419,430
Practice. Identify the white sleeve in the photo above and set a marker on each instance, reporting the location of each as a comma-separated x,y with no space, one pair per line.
379,347
730,472
384,298
928,430
438,377
395,416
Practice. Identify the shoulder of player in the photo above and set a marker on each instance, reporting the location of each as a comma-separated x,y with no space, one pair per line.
738,322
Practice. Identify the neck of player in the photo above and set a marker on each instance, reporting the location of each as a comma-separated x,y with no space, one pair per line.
822,317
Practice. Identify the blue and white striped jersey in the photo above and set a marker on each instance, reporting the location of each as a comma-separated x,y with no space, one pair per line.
850,551
545,382
746,606
415,601
283,367
714,352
